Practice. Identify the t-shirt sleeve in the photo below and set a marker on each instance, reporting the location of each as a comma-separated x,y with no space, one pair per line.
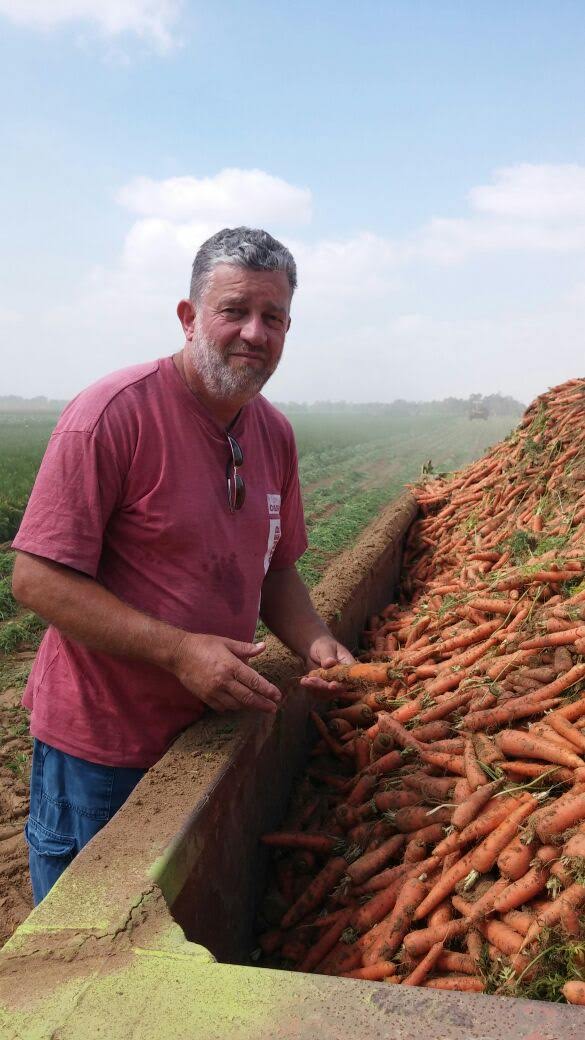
76,490
293,540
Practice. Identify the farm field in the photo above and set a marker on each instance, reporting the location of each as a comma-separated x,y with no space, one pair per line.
350,467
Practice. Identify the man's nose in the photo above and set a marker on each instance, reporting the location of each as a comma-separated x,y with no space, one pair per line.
253,331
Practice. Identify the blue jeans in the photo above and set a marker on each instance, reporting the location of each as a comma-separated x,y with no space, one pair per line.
70,801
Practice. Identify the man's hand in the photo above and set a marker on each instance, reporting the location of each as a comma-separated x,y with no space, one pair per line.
325,652
214,669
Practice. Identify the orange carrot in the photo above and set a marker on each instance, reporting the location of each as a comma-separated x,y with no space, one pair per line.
563,813
484,856
424,967
460,983
477,909
432,788
515,859
493,606
325,943
473,771
373,972
573,711
504,938
385,800
316,892
319,843
340,959
515,742
372,862
502,714
519,920
401,736
575,846
363,787
444,707
490,819
528,886
444,886
329,739
468,810
442,914
574,992
438,730
428,835
474,943
563,638
568,730
456,963
417,943
394,928
442,759
556,774
386,764
571,899
413,818
369,672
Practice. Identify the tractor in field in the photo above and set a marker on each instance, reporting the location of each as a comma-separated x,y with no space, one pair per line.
478,409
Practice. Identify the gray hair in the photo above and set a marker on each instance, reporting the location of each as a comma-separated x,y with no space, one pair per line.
242,247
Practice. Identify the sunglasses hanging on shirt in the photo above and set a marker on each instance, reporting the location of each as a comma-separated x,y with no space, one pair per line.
236,489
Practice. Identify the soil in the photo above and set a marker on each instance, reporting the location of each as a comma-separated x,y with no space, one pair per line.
15,751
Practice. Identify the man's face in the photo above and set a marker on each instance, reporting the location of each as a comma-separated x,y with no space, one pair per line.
239,329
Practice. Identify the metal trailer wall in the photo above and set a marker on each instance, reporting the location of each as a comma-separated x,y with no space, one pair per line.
121,946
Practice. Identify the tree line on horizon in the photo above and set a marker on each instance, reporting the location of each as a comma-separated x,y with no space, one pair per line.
496,404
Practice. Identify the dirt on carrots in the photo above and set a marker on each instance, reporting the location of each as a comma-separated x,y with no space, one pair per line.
457,888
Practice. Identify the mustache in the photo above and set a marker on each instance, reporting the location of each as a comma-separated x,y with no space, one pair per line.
243,348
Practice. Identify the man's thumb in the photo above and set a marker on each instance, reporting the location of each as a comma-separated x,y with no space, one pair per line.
245,650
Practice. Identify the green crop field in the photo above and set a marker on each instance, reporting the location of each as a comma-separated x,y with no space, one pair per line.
351,465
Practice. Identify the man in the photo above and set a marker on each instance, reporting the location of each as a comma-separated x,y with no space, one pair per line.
166,513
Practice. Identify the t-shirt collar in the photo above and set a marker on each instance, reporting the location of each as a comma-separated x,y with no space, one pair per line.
189,399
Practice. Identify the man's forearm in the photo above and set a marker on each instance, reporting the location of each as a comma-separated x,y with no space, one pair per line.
287,609
87,612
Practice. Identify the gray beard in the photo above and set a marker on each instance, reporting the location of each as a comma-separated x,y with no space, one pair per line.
216,374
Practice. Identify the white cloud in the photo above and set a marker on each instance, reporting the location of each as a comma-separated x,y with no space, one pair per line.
374,318
533,192
231,197
152,20
527,207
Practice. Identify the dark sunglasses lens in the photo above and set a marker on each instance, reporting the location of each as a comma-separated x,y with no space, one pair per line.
240,495
237,454
236,491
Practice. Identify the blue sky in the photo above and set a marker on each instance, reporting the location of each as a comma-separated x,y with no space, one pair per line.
425,161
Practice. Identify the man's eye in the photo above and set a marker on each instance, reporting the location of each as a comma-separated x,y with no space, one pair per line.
275,318
232,310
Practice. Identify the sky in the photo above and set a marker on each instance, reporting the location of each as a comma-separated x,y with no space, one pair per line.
424,160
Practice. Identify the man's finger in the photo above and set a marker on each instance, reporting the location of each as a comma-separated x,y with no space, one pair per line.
315,683
346,658
328,662
248,699
244,650
221,702
257,683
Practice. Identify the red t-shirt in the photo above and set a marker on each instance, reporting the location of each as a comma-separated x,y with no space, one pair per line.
132,491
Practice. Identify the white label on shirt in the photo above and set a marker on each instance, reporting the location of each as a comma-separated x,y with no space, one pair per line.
273,505
274,530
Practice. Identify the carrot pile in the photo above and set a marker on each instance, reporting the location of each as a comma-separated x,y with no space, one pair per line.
438,836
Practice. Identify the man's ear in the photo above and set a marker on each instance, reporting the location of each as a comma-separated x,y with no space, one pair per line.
186,315
288,325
